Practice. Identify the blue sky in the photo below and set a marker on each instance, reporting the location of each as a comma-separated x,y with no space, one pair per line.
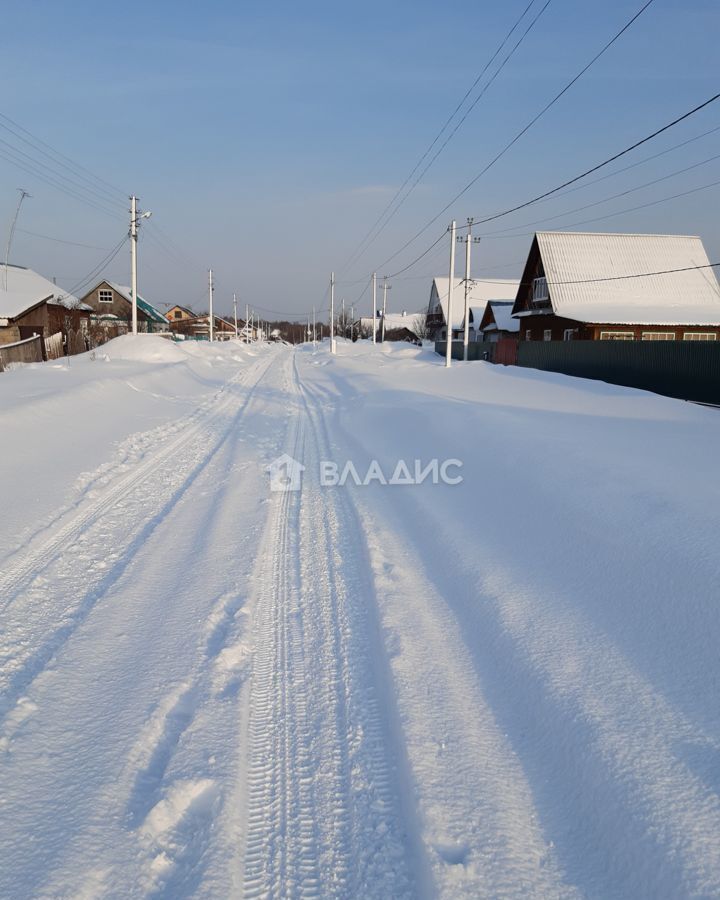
267,138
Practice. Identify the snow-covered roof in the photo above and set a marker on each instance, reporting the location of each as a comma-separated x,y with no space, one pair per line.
15,303
481,291
143,304
502,313
572,261
26,288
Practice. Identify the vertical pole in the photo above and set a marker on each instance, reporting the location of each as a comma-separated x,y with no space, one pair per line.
466,333
23,195
133,260
451,286
211,317
314,330
247,323
235,312
385,290
374,301
332,312
344,323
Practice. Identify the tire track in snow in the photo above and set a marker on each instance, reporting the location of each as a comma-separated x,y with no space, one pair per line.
29,561
322,818
130,504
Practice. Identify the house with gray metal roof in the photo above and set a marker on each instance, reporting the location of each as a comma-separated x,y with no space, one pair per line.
592,286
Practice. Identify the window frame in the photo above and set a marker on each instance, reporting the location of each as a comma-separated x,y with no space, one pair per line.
102,291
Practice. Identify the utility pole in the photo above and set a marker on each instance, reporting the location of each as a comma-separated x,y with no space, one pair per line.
314,330
23,195
468,244
133,260
134,223
247,334
211,317
386,288
344,323
332,313
451,285
235,311
374,299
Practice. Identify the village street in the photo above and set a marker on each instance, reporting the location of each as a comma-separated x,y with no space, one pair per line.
484,688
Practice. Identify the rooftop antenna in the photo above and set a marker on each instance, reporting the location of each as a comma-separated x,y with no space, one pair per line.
23,195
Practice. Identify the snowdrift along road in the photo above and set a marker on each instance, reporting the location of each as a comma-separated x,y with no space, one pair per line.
503,687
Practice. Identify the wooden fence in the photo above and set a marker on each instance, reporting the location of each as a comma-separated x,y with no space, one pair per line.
54,346
27,351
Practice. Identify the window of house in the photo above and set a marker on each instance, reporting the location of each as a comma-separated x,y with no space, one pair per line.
617,335
547,334
528,335
658,335
105,295
569,334
700,336
178,314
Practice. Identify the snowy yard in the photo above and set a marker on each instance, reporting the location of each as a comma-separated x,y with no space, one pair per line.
504,687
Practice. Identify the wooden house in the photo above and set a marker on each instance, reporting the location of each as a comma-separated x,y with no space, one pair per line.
617,287
112,309
32,305
497,323
481,290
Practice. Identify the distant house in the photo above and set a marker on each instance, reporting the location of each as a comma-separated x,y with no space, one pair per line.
481,291
179,314
112,310
198,327
398,326
32,305
585,286
496,322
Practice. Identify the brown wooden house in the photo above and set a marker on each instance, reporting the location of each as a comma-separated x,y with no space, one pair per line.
591,286
198,327
112,310
33,305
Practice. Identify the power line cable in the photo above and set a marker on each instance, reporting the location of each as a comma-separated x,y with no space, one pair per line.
47,237
372,234
524,130
62,159
649,137
624,193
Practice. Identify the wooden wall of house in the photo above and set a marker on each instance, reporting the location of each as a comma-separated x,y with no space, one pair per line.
119,307
533,328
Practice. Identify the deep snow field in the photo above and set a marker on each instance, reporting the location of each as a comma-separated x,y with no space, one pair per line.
506,687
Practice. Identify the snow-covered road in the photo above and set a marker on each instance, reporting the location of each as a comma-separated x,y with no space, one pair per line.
505,687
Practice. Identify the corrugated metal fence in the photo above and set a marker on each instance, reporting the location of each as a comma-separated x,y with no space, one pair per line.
479,350
688,370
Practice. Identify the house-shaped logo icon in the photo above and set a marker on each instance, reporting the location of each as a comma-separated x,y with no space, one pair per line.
285,474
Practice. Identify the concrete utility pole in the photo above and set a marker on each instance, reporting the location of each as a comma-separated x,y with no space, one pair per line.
247,334
134,223
469,240
211,317
374,299
451,286
386,288
332,312
11,234
235,311
133,260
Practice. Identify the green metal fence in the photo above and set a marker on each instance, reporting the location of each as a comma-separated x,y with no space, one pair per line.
689,370
476,350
